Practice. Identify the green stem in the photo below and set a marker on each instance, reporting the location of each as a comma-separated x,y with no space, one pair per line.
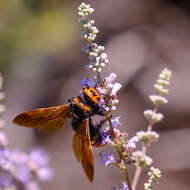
127,179
124,170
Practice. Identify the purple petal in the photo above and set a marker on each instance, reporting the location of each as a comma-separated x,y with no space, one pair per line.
125,186
112,77
39,157
103,136
134,139
44,173
107,158
115,88
23,174
18,157
116,122
87,82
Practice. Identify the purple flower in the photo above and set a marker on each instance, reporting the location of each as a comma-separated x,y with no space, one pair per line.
109,141
18,157
125,186
103,135
23,174
39,157
116,122
112,77
131,143
116,188
107,158
101,105
91,58
102,91
5,180
44,173
88,82
32,185
116,88
5,153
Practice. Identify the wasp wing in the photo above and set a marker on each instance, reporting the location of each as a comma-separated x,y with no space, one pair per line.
46,120
77,146
83,149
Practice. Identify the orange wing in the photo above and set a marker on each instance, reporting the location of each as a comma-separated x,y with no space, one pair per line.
83,149
46,120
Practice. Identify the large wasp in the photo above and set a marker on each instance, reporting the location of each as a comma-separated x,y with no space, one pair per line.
79,109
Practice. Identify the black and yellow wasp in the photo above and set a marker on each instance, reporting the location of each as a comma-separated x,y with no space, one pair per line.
79,109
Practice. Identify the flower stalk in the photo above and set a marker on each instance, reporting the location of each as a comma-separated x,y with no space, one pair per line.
108,89
153,117
20,170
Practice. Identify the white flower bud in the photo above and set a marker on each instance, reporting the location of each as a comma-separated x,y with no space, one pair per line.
92,22
99,70
153,117
158,100
115,101
102,65
148,137
104,56
141,159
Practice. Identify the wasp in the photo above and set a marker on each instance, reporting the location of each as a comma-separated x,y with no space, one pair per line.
80,109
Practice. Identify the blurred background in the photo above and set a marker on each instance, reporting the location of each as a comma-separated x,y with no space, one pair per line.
42,62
